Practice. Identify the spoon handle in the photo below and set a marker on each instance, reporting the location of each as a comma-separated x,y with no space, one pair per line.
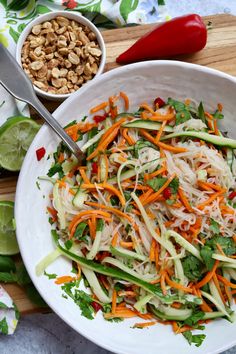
16,82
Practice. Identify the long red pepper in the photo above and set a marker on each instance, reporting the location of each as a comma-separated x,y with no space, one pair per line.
182,35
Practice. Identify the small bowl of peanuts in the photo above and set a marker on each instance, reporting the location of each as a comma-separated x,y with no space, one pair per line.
60,51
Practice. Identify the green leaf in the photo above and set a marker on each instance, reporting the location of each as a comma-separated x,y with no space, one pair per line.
7,264
3,326
80,231
227,244
100,225
56,168
126,7
68,244
201,112
192,268
156,183
3,306
34,296
174,185
15,35
218,115
182,117
214,227
197,339
22,275
206,253
50,276
193,320
178,105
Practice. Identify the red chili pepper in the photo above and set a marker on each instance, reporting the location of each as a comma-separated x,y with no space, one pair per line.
160,102
232,195
98,119
182,35
94,167
40,153
167,193
96,306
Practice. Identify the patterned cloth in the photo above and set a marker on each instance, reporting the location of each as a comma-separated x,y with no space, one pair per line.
14,16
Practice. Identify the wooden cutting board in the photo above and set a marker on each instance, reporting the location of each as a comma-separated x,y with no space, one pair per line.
220,53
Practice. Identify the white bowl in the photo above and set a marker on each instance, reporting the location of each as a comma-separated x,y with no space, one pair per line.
142,82
47,17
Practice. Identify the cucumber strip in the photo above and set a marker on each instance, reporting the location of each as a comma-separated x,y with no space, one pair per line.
93,140
171,313
95,247
94,284
212,315
59,206
80,197
102,168
214,301
115,273
146,124
184,243
142,302
131,173
48,179
120,265
213,139
119,174
46,261
67,165
215,293
164,243
230,158
219,257
121,252
228,265
226,275
232,273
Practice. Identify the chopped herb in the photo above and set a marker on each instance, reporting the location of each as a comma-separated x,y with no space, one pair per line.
80,231
214,227
197,339
182,117
50,220
192,267
50,276
227,244
84,118
73,122
174,185
38,185
68,244
115,319
56,168
114,201
65,296
193,320
218,115
156,183
206,254
201,112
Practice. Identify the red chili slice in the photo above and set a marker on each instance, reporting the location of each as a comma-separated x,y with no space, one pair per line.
96,306
167,193
232,195
160,102
40,153
98,119
94,167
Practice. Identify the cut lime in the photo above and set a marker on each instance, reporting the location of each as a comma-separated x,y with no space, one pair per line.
16,135
8,243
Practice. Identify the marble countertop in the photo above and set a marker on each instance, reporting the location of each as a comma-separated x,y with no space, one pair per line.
48,334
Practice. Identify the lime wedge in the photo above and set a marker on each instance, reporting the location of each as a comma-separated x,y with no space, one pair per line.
8,243
16,135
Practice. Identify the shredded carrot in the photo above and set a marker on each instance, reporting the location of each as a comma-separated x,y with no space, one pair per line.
182,329
176,305
126,244
160,131
122,313
113,304
220,249
152,250
83,175
113,210
184,200
114,239
148,176
147,108
99,107
174,149
163,285
162,117
155,195
128,138
52,211
126,100
145,324
178,286
226,281
106,186
64,279
210,200
208,115
208,276
216,130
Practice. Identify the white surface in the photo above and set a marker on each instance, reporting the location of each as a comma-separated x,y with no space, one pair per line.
154,78
47,17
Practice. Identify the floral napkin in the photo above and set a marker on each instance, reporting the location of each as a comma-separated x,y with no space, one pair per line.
14,16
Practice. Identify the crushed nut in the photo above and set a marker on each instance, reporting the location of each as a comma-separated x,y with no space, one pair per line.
60,55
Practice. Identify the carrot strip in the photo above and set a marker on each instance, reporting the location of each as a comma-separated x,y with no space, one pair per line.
64,279
114,239
160,131
126,244
176,305
184,200
209,200
128,138
154,196
152,250
107,187
113,210
145,324
163,285
162,117
147,108
148,176
178,286
216,130
174,149
126,100
99,107
208,277
113,304
208,186
83,175
52,211
226,281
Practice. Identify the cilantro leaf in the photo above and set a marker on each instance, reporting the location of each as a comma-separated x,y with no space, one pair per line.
218,115
68,244
201,112
56,168
192,267
178,105
192,320
156,183
50,276
206,253
214,227
197,339
3,326
182,117
174,185
79,232
227,244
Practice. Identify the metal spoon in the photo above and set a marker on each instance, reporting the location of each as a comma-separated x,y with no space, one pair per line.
16,82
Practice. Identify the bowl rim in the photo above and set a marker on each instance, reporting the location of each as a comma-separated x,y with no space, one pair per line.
170,63
49,16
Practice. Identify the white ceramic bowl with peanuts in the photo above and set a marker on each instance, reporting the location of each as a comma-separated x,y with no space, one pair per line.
60,51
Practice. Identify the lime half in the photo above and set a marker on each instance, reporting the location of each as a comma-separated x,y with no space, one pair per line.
16,135
8,243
